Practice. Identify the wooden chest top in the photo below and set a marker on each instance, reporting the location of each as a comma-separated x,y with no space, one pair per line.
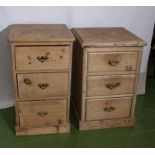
108,36
40,33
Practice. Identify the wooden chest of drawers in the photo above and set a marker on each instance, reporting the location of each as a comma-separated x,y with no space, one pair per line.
106,65
42,57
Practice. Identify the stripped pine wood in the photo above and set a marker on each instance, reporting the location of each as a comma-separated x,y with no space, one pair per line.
42,57
112,61
108,79
110,85
42,85
41,60
99,109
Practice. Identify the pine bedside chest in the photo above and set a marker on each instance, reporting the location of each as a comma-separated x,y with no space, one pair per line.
106,65
42,57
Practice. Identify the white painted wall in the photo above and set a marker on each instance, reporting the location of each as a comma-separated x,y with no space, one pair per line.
139,20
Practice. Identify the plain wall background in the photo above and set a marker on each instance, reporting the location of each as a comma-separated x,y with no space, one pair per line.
139,20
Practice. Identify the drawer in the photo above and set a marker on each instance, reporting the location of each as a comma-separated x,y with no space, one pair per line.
108,108
42,57
110,85
112,61
42,85
42,113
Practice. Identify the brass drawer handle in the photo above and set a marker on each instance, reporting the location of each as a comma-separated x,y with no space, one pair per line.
43,113
113,62
43,85
27,81
43,58
128,67
109,109
112,85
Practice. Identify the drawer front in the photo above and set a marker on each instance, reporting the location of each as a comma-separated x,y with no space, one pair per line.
108,108
42,113
42,85
110,85
42,57
112,61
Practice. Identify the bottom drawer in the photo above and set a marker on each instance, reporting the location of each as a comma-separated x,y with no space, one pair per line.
99,109
42,113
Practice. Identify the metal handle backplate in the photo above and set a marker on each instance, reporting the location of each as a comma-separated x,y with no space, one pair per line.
109,109
43,85
114,60
112,85
43,113
43,58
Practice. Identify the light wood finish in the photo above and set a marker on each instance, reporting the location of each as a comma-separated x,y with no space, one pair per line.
109,96
42,113
42,57
107,69
109,123
46,105
42,62
110,85
34,120
21,131
108,109
114,49
42,85
112,61
40,33
114,36
136,83
104,123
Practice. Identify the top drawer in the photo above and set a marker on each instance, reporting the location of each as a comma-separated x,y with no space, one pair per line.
112,61
42,57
